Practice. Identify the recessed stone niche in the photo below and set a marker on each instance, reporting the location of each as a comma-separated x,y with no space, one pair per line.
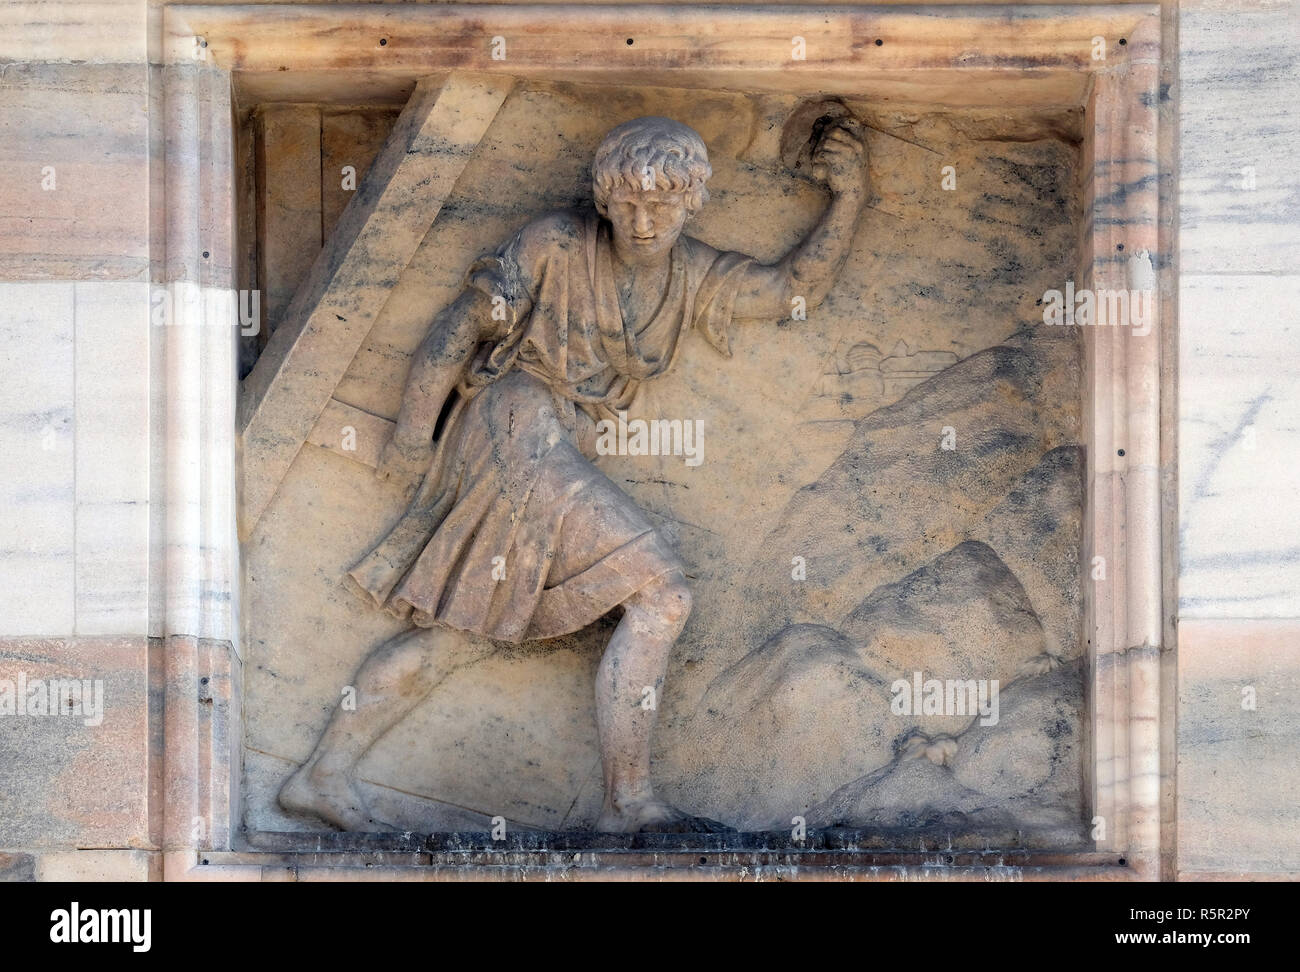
915,483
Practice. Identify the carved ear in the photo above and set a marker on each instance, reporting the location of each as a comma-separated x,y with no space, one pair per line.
696,200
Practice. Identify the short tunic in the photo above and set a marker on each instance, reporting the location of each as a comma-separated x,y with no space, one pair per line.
514,534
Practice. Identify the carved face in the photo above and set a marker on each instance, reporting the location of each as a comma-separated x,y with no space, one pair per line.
646,223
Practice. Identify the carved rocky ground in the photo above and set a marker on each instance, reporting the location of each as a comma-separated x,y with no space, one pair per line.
959,562
994,524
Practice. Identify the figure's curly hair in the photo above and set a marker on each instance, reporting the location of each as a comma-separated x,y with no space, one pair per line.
670,151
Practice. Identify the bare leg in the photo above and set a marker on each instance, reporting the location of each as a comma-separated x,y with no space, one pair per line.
636,659
393,679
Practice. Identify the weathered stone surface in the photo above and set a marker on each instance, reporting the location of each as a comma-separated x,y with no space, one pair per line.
76,90
76,138
1237,200
17,867
1023,773
963,615
1035,532
288,139
1032,761
1000,407
733,746
1238,748
80,777
1235,418
815,689
37,513
750,745
336,305
348,139
99,865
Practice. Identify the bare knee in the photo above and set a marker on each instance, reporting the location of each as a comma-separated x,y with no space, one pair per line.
409,662
667,601
413,648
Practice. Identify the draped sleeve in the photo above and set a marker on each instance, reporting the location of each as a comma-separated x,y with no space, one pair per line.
511,277
720,276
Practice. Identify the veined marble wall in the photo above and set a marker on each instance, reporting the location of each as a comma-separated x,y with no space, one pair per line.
80,510
1238,806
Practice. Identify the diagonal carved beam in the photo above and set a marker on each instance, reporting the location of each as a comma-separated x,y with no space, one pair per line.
334,309
352,433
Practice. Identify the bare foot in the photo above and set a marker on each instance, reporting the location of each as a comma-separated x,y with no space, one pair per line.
332,797
655,817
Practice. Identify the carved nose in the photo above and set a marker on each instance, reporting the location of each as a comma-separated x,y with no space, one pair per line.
642,225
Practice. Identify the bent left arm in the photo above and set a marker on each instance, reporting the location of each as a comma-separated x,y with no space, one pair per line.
809,270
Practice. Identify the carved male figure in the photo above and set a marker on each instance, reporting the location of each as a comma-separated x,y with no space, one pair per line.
513,534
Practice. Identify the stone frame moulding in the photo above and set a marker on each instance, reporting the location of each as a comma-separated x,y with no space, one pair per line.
989,55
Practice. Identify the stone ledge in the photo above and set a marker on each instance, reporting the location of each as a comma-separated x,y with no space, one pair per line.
105,865
187,866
